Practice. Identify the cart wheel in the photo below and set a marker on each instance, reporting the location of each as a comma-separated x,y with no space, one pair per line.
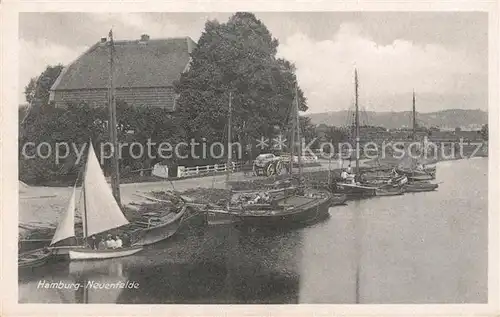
270,169
279,167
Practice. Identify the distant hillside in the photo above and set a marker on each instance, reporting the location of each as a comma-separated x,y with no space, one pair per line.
445,119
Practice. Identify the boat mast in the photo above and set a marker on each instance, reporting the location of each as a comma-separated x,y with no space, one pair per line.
229,150
299,156
115,175
84,220
356,119
414,119
414,135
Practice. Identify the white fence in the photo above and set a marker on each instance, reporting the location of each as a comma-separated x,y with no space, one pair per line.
182,171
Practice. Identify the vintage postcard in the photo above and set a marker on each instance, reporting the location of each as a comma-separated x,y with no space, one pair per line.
305,158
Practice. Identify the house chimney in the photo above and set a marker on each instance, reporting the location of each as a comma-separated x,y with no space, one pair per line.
144,37
103,40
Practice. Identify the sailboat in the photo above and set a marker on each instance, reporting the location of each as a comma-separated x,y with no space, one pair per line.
410,165
100,213
350,186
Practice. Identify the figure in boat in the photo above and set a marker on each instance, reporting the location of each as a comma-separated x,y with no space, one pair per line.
100,214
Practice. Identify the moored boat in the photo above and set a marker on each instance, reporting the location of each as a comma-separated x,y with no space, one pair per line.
92,254
390,191
338,199
293,209
34,258
100,214
353,190
161,228
414,187
417,175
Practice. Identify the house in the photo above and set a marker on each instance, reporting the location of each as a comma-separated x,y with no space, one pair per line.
144,73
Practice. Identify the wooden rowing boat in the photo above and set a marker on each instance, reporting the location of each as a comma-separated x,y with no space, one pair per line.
34,258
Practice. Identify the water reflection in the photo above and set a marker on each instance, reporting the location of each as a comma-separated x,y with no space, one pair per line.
75,282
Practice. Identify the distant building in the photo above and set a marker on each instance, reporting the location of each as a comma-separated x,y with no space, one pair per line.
145,71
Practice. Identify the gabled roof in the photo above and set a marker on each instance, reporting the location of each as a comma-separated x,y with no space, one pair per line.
150,63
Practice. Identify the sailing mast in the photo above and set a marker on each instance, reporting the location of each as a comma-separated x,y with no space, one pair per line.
414,119
115,175
299,156
356,119
85,220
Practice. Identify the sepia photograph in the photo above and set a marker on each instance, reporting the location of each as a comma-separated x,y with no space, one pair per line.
255,157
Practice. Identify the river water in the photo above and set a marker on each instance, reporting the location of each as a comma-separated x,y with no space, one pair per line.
416,248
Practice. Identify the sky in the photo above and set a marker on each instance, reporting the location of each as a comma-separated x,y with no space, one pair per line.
442,56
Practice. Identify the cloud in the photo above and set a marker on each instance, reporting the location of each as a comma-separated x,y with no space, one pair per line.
325,69
35,56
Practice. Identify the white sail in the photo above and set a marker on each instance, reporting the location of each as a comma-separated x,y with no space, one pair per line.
101,212
66,227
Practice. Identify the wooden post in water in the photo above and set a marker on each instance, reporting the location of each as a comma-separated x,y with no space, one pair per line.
115,174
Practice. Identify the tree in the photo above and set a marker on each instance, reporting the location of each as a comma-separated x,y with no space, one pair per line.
37,92
78,123
308,130
336,136
484,132
38,88
237,58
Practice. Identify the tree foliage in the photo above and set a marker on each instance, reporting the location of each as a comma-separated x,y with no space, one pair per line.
237,57
37,94
79,123
38,88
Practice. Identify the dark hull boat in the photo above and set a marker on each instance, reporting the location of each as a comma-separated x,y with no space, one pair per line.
415,187
33,259
417,175
390,191
354,191
295,210
338,199
158,229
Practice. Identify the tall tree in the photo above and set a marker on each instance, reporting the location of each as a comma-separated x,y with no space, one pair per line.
38,88
37,92
238,57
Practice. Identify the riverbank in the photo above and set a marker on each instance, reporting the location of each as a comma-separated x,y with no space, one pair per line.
41,208
436,251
